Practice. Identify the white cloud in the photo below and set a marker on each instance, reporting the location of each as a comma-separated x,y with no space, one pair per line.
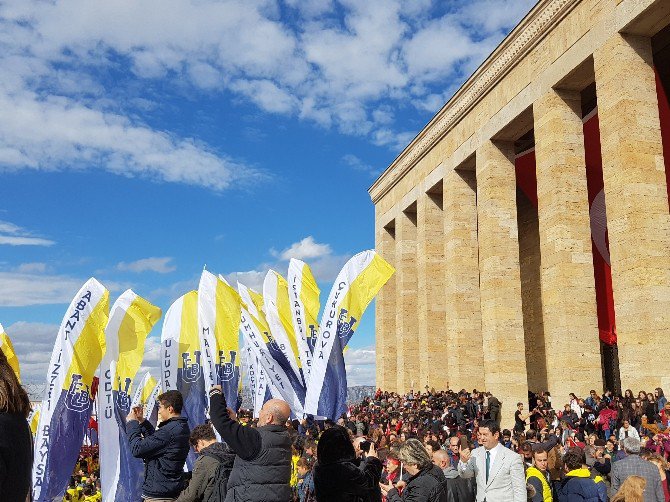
338,66
33,343
306,248
21,289
13,235
361,366
160,265
35,267
357,164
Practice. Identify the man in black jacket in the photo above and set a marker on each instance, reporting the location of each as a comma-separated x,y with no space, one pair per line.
164,450
262,467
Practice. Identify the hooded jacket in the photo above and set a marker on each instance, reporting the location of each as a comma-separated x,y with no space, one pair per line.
578,485
164,451
204,475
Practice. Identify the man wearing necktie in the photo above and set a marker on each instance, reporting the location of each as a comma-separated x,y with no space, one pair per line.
497,470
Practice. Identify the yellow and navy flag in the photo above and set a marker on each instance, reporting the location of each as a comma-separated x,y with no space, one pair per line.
130,321
277,368
182,360
145,395
304,304
356,285
219,324
67,403
8,350
277,307
34,418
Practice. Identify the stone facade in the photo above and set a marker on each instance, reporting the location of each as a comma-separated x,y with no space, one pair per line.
493,292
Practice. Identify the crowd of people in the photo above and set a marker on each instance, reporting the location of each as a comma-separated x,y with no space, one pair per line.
432,446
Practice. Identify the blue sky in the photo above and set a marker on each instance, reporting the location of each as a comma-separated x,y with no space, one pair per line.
141,140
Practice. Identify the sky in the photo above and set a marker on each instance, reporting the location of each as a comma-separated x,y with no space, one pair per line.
143,140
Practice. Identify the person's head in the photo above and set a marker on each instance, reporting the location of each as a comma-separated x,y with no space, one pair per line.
642,395
414,456
392,464
274,412
507,435
631,490
519,406
650,397
303,466
626,424
310,447
658,392
170,404
593,393
631,445
573,396
441,459
13,397
573,459
527,452
454,443
334,446
489,434
666,407
628,394
201,437
432,446
541,459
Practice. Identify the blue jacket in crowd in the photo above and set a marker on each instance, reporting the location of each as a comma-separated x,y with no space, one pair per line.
579,486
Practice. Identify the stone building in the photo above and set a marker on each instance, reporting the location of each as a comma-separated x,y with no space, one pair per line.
529,221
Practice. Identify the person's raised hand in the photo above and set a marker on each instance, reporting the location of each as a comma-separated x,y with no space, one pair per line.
373,450
400,485
139,413
465,454
217,387
385,488
131,415
231,413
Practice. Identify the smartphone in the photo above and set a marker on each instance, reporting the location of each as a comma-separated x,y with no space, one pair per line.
365,446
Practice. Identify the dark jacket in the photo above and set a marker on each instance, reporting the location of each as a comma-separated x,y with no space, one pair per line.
579,486
262,468
164,451
425,486
348,481
458,489
205,471
16,457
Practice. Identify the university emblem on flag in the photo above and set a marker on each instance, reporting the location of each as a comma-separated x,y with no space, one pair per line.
77,397
345,327
191,372
227,369
122,397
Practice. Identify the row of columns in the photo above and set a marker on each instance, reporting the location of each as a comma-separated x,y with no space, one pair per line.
453,312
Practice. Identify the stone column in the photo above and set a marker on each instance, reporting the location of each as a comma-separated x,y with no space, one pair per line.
433,348
500,281
463,316
407,318
568,289
637,207
385,306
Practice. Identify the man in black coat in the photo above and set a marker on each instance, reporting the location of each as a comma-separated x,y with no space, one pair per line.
262,467
164,450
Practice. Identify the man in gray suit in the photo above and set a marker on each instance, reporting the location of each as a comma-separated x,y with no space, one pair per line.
498,470
633,465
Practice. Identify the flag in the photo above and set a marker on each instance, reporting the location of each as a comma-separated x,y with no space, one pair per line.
277,309
67,403
356,285
254,326
130,321
8,350
304,306
146,395
219,321
34,418
182,360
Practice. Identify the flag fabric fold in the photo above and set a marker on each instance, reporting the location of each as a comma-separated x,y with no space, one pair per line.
130,321
356,285
182,360
10,354
304,305
67,403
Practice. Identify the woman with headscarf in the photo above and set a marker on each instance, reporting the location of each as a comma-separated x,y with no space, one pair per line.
339,476
16,452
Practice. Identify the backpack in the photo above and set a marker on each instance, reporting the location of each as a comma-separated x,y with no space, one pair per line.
220,481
